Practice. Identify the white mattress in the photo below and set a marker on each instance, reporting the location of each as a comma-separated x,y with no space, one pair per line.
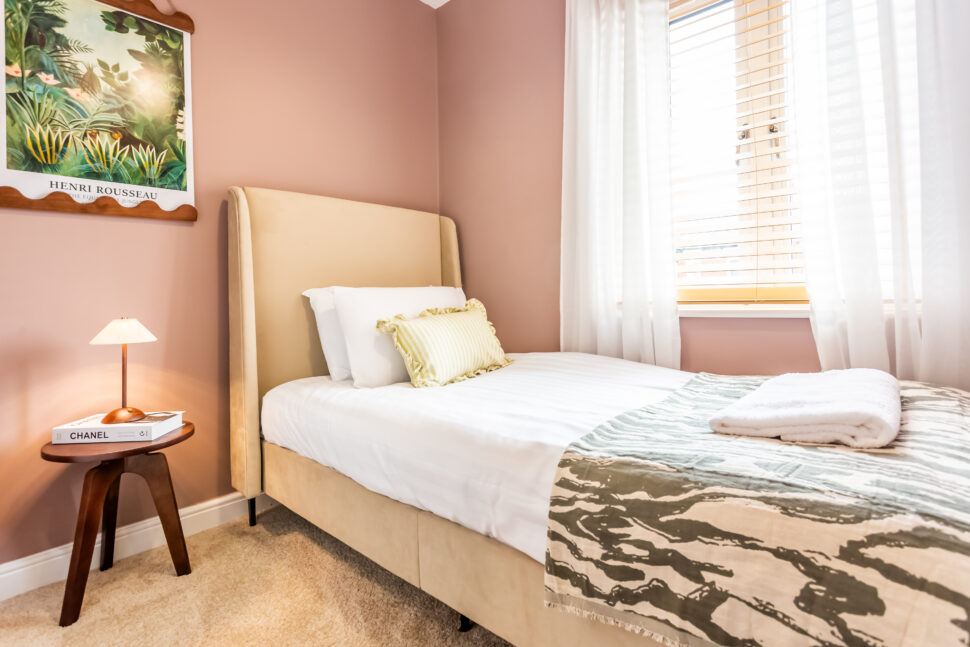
482,453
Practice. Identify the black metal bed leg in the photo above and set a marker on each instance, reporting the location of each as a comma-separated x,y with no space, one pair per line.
252,511
464,624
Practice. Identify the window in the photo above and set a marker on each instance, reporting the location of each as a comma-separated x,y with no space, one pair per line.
737,230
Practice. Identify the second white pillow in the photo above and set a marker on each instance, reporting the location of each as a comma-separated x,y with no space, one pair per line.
373,359
331,336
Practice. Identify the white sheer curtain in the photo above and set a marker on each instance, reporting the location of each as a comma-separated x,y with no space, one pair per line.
880,108
618,291
943,48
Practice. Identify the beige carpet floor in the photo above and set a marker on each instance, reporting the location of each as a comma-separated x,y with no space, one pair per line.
283,582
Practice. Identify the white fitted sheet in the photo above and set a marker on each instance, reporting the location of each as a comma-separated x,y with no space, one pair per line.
482,452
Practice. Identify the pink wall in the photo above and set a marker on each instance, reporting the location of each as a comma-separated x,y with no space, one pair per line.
500,85
747,346
331,97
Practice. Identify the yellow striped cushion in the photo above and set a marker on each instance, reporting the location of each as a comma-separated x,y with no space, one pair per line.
445,345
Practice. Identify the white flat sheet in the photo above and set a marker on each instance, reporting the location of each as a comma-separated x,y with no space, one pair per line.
481,453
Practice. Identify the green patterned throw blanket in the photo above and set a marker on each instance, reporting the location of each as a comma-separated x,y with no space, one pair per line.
661,526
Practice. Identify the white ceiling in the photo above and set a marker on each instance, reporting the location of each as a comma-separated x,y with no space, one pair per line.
434,3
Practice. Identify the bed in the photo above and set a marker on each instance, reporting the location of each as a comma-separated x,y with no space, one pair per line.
570,482
281,243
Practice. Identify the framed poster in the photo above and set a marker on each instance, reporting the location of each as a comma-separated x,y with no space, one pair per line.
98,110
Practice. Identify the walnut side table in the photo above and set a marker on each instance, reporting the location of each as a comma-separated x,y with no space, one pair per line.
100,491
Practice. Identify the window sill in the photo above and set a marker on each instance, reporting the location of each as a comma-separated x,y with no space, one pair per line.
749,310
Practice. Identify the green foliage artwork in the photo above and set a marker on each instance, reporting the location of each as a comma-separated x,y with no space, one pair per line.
94,94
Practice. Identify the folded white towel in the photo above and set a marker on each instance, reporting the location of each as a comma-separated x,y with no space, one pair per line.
859,407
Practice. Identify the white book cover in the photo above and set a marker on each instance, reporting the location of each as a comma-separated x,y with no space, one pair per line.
154,425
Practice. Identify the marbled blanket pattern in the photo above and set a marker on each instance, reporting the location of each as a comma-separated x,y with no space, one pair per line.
694,538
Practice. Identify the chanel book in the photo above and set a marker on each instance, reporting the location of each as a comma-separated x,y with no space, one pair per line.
154,425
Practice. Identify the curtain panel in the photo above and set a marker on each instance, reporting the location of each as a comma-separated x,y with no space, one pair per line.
618,290
881,105
943,52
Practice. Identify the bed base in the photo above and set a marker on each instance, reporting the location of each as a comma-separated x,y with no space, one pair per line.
482,579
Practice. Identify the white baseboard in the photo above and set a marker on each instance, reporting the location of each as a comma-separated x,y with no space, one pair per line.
28,573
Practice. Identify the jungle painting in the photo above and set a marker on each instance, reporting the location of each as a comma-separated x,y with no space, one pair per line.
96,103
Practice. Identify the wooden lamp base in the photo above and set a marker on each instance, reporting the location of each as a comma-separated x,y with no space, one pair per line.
123,414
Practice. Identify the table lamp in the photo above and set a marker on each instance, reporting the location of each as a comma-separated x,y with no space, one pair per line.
123,331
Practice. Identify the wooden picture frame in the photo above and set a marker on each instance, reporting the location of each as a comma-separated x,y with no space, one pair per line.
97,114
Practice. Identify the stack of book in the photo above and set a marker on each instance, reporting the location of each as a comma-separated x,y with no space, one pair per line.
154,425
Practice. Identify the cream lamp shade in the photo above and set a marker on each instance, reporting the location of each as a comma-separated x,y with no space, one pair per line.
123,331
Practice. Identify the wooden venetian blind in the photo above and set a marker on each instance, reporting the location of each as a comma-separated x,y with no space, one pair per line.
737,232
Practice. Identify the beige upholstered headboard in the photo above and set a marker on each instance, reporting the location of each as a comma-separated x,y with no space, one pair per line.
282,243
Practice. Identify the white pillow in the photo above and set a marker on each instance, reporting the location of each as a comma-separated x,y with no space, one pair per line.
373,359
331,336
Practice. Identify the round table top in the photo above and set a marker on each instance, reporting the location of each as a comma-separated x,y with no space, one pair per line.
90,452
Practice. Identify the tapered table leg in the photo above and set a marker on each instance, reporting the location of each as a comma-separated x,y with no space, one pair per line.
153,467
108,525
97,482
